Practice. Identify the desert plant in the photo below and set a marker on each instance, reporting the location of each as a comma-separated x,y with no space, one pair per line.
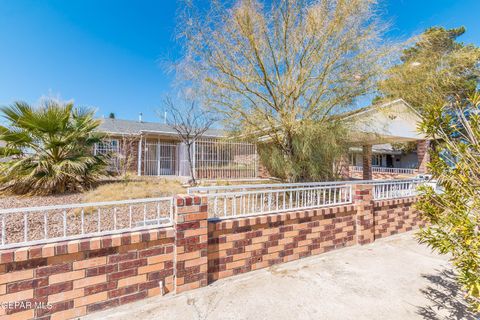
49,149
320,153
271,67
454,213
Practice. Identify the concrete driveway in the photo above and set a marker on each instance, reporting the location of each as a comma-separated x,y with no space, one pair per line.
394,278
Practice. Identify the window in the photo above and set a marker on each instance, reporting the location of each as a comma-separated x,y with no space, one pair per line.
353,159
377,160
107,146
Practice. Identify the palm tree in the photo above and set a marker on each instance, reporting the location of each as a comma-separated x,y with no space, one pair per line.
49,149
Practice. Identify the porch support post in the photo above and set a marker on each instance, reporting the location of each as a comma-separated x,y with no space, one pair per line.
423,155
194,160
139,161
367,162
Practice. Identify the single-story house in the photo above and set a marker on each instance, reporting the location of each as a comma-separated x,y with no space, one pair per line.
155,149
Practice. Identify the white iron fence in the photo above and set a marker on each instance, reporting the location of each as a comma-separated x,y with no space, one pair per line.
160,158
63,222
396,189
273,186
258,202
219,159
386,170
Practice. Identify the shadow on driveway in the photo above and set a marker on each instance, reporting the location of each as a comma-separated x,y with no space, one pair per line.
445,297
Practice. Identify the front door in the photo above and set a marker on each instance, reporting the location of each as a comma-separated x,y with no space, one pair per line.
159,158
389,161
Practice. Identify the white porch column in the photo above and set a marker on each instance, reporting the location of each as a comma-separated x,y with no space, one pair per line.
194,164
139,158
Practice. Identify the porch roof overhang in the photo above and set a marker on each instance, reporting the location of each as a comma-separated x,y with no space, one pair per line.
395,121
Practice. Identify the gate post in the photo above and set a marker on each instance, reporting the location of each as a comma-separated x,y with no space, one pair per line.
365,220
191,242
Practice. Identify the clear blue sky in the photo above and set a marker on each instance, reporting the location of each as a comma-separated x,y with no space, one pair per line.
105,54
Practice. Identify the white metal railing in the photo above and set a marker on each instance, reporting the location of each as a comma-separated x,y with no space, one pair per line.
159,158
24,226
273,186
224,159
396,189
258,202
386,170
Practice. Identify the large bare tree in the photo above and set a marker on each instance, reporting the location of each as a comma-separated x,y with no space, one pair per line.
191,122
273,69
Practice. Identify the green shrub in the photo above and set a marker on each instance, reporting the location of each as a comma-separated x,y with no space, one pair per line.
454,214
49,149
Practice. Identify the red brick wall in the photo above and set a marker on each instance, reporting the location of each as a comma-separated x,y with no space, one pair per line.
82,276
191,242
395,216
246,244
79,277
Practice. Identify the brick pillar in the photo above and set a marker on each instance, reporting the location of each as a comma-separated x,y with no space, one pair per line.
367,162
191,242
423,155
344,169
363,198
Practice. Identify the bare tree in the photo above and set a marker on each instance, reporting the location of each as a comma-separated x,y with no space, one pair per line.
190,121
278,67
127,155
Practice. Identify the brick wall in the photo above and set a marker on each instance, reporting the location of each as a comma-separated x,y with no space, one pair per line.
79,277
246,244
82,276
395,216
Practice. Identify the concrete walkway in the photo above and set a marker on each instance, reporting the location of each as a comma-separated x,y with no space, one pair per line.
394,278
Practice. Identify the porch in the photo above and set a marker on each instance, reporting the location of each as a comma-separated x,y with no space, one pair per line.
211,158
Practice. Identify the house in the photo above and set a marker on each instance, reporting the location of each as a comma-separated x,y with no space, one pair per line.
378,131
155,149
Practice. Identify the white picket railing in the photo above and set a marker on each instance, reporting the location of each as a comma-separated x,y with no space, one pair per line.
63,222
386,170
273,186
258,202
396,189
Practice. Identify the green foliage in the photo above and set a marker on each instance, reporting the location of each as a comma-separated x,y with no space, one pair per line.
49,149
318,151
405,147
454,215
269,67
435,69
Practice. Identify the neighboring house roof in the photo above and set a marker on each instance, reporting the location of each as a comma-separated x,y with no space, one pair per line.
130,127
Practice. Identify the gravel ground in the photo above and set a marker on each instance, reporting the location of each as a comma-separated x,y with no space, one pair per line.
93,220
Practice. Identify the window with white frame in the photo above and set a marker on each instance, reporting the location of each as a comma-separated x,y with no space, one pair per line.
111,149
107,146
377,160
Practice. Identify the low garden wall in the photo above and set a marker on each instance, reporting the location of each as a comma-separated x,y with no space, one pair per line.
70,279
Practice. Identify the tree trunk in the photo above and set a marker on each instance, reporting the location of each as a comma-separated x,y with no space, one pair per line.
288,156
190,162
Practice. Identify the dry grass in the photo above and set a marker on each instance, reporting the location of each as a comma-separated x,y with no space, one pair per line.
134,189
112,190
